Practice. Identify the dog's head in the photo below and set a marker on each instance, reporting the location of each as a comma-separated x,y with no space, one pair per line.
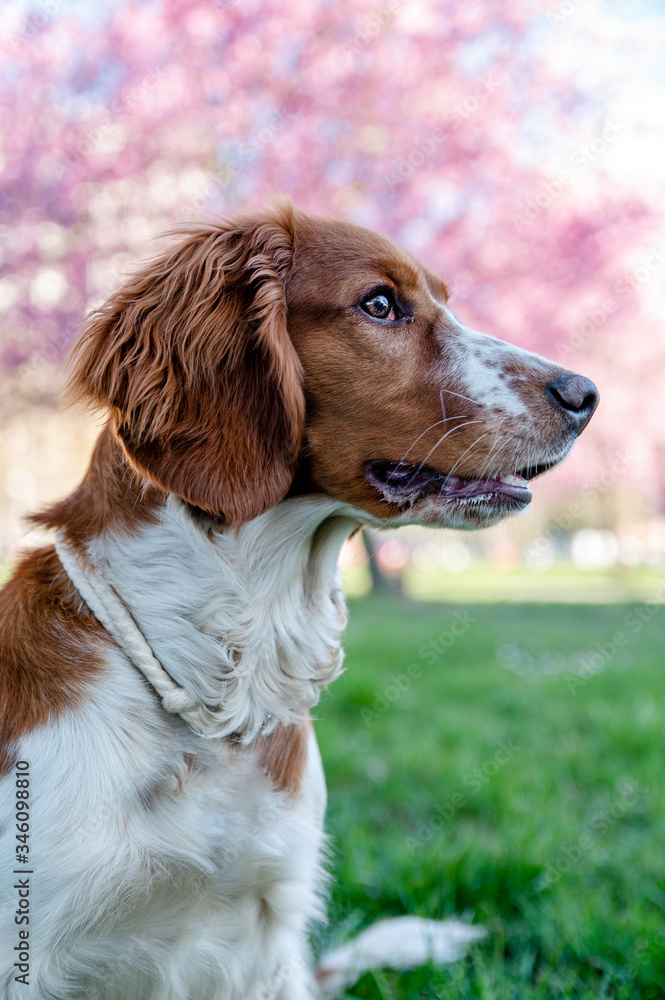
283,353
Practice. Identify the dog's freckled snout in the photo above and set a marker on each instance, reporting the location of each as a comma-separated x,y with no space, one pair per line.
575,394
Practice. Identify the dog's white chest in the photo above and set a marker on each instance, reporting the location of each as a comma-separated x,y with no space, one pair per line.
188,876
251,908
169,866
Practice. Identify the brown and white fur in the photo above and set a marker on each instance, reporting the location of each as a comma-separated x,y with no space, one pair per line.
272,383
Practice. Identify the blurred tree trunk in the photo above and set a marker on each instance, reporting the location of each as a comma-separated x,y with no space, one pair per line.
380,581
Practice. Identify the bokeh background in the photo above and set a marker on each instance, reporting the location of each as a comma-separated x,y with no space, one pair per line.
516,149
519,150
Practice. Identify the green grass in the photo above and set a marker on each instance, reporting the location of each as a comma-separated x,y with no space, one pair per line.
580,794
561,583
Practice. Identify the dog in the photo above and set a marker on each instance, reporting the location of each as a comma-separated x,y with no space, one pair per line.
272,383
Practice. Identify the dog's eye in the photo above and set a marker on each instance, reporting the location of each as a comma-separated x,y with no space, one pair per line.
380,305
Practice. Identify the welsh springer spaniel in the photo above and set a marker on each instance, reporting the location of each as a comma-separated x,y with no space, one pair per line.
272,383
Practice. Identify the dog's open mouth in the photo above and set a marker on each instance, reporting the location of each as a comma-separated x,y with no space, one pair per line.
402,484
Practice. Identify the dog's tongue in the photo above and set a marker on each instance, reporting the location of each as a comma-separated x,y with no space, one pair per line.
509,486
398,481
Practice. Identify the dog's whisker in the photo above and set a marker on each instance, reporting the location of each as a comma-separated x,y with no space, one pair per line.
461,396
436,423
486,466
441,440
472,445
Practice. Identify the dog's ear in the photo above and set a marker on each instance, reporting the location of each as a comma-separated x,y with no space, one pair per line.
194,359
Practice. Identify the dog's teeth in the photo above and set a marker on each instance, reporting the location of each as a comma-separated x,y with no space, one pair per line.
511,480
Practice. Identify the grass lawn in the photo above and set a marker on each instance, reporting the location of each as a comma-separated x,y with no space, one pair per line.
513,778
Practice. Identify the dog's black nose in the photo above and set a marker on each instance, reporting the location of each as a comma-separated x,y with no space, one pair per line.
576,395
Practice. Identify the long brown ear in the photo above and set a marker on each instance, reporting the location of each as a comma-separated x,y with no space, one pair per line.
194,359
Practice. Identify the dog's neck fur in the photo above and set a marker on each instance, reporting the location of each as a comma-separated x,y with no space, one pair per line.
248,620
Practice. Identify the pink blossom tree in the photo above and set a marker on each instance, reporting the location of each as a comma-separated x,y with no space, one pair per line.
443,125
